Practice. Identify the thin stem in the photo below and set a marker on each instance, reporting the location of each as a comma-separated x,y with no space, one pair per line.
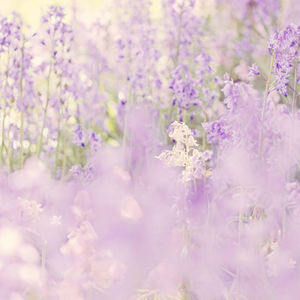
184,116
268,86
9,155
58,128
260,142
40,142
204,145
64,160
5,111
58,144
22,108
22,140
129,100
3,134
294,104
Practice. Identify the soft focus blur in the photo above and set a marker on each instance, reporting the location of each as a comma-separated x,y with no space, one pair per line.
149,150
32,10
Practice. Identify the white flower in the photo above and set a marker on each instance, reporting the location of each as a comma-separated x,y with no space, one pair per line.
184,153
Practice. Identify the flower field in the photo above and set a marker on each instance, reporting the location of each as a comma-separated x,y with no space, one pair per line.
151,151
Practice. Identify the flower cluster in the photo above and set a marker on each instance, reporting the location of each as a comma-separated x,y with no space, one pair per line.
216,131
284,46
185,154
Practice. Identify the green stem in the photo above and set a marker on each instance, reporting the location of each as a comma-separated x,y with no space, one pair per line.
58,144
5,111
64,165
294,104
260,141
40,141
22,140
64,162
128,104
9,156
3,134
125,133
184,116
204,145
58,128
22,109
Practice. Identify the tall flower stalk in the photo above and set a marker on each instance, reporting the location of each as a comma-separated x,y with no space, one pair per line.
265,101
295,95
22,105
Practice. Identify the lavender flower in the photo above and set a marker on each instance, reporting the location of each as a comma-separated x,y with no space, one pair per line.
254,71
284,45
216,131
88,208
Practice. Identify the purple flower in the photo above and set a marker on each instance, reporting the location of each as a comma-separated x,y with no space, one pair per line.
216,131
254,70
284,45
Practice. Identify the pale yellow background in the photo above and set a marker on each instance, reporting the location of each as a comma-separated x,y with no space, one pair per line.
31,10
